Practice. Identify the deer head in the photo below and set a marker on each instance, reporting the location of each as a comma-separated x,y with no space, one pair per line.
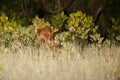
38,25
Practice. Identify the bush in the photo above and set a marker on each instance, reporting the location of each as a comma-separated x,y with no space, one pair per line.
114,31
81,26
12,32
57,21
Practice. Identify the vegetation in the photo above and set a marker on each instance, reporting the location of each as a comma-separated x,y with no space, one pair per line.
114,31
87,40
82,27
10,31
32,63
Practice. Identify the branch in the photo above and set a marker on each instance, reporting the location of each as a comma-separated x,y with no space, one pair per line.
98,14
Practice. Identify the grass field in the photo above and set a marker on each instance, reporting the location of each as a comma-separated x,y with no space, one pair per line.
31,63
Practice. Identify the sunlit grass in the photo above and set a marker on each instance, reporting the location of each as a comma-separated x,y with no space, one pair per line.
31,63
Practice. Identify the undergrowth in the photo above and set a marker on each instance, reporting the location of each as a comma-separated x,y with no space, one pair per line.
35,63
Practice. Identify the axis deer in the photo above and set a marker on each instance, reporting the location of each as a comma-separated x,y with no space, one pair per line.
44,35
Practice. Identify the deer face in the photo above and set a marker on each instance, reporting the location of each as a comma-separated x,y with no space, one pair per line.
38,25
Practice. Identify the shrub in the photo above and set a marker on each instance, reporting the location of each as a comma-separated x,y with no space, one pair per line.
12,32
81,26
114,31
57,20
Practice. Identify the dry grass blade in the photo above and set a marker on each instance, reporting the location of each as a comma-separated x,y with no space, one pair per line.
30,63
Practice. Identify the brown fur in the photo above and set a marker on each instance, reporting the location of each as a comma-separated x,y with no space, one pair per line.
44,35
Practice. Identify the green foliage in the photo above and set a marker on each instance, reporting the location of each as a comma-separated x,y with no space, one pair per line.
11,31
62,37
81,26
37,19
114,31
58,20
80,29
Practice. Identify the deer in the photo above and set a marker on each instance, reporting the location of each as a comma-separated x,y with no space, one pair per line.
44,35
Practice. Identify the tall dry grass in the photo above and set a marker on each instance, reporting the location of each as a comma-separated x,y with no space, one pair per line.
31,63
